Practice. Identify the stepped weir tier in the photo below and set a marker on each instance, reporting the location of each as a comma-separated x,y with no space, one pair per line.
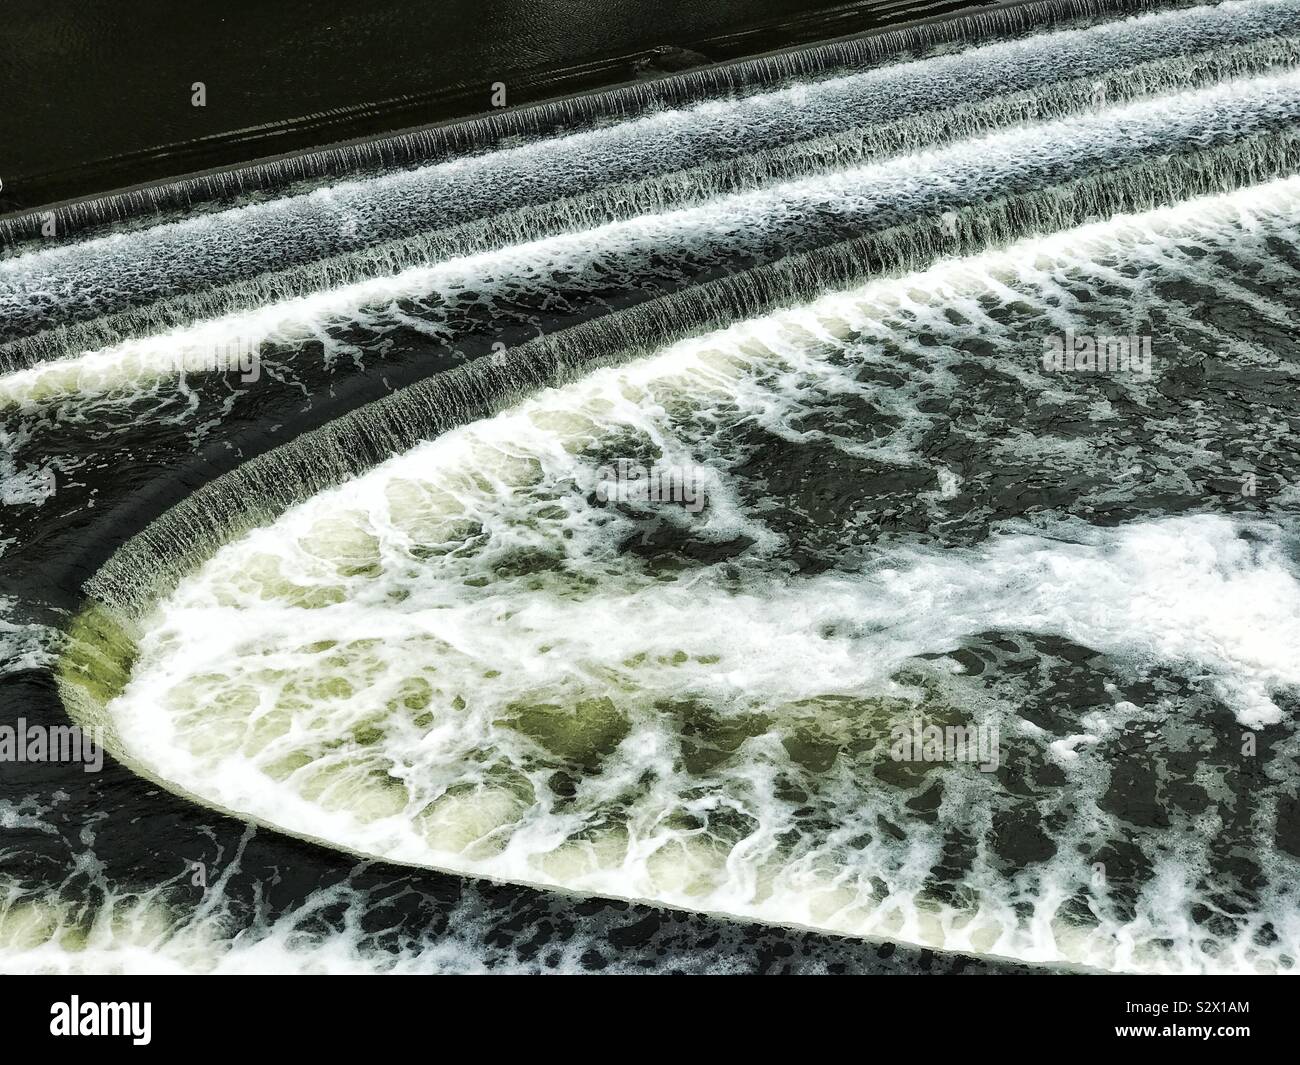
836,510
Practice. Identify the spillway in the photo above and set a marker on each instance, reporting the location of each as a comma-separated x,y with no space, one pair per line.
637,497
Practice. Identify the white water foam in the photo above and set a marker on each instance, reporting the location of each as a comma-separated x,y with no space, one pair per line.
403,666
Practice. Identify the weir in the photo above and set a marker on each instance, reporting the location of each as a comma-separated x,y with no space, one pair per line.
662,253
627,101
322,652
259,490
174,275
415,628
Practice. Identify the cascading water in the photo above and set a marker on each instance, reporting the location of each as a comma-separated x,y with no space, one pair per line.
641,511
347,232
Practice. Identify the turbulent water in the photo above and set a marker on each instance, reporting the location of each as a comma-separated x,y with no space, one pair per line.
643,513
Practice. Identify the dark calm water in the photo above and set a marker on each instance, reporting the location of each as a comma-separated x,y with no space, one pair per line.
475,695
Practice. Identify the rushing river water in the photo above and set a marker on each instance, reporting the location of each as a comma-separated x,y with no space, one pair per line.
836,514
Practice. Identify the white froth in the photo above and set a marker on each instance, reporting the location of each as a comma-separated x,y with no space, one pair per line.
401,665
